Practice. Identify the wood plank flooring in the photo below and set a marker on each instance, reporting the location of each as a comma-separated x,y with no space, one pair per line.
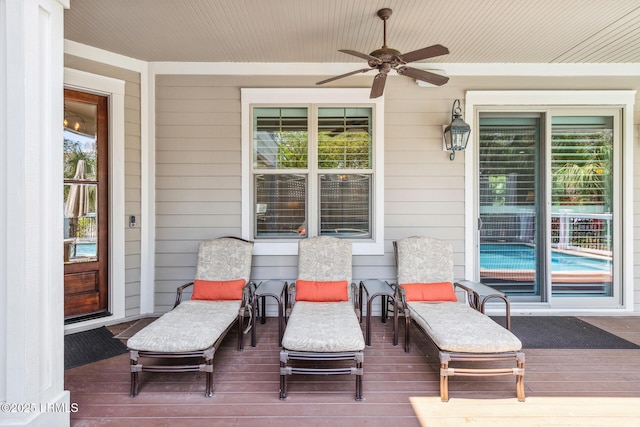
563,387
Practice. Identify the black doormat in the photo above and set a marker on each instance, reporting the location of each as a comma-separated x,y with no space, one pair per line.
562,332
90,346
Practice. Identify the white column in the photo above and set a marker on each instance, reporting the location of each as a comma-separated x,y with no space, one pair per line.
31,270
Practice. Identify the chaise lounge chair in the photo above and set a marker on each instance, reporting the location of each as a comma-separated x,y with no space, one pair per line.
196,328
461,331
323,326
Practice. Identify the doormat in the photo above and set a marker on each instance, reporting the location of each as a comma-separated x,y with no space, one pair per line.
562,332
90,346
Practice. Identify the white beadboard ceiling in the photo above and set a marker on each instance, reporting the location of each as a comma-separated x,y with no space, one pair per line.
312,31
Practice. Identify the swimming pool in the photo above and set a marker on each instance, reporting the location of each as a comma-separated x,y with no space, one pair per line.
511,268
522,257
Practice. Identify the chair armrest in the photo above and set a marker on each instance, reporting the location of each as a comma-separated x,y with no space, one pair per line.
291,293
355,297
401,295
478,292
247,293
179,293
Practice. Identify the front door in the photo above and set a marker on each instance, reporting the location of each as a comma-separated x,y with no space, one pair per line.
85,205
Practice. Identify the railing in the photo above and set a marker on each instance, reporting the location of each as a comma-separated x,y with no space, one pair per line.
569,230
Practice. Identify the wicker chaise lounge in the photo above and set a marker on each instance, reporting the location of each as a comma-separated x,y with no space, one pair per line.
193,330
462,334
323,329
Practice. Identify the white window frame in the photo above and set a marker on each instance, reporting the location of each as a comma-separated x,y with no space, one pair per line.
332,96
475,101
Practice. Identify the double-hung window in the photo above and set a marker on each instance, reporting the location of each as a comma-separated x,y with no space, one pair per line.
312,167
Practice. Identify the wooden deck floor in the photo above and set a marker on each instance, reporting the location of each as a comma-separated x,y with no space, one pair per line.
564,387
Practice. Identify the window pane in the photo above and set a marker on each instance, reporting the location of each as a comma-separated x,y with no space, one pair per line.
80,185
344,138
281,207
508,194
582,199
280,138
345,205
80,223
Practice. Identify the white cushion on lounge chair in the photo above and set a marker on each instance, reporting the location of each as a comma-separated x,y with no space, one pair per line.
456,327
191,326
323,327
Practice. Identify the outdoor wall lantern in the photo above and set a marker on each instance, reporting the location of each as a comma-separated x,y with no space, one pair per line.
456,134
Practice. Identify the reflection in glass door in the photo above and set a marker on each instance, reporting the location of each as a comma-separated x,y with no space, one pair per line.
582,206
85,209
509,200
80,182
547,209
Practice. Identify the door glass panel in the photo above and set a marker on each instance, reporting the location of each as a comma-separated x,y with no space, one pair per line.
582,200
80,182
508,160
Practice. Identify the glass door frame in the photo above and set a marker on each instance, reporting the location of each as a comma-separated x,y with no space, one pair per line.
543,102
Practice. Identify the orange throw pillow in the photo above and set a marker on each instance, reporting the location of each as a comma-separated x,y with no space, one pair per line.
308,290
439,291
215,290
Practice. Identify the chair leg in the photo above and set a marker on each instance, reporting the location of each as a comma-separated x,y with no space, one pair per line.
407,333
520,377
209,374
283,376
359,360
254,304
240,331
134,373
134,384
444,382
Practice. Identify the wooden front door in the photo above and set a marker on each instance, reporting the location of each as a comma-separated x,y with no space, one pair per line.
85,186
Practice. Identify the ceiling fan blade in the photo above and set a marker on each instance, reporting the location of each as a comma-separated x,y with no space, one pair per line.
378,85
434,79
424,53
363,70
360,55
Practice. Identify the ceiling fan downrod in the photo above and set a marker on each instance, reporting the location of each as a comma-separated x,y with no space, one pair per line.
384,14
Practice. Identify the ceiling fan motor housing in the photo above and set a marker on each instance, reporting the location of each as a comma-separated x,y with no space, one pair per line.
385,54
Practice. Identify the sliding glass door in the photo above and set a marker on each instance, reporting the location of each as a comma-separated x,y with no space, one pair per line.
582,203
548,203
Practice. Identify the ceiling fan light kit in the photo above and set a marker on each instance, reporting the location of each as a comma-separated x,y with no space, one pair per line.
386,59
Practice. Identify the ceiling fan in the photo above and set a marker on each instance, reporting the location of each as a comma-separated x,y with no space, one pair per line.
385,59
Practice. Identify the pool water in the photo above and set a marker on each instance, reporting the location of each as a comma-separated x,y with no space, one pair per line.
85,250
522,257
